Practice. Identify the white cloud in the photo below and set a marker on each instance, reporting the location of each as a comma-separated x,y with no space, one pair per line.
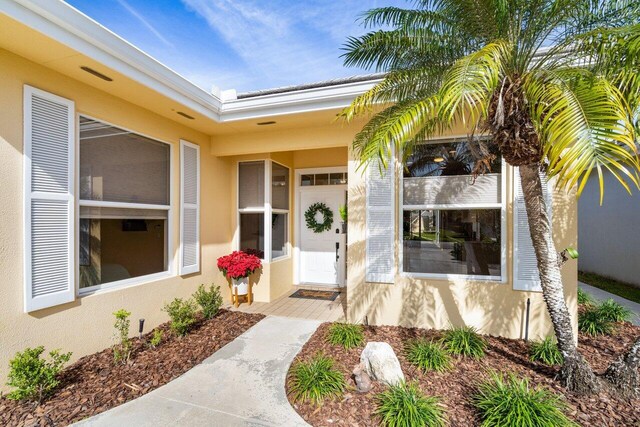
144,22
281,42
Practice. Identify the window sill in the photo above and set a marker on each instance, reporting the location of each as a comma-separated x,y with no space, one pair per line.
454,277
124,284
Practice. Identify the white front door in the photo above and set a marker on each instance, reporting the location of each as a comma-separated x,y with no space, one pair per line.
322,257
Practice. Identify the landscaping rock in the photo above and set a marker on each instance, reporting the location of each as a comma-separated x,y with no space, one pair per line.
362,379
381,363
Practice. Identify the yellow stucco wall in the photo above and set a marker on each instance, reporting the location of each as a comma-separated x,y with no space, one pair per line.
330,135
492,307
86,325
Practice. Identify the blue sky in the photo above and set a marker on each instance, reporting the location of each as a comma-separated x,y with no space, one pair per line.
242,44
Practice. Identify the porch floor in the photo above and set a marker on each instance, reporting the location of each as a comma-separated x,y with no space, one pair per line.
324,311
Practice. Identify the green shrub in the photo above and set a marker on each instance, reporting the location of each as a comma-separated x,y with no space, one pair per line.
592,322
404,405
122,348
506,401
428,355
344,214
32,377
613,311
584,298
316,380
210,301
546,351
464,341
347,335
156,338
182,314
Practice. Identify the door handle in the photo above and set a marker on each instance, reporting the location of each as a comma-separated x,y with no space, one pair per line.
337,251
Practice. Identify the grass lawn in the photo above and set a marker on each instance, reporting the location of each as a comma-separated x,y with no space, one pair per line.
622,289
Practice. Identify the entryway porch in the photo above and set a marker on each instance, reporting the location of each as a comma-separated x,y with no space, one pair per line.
301,308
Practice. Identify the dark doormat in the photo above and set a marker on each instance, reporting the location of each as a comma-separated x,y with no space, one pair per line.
321,295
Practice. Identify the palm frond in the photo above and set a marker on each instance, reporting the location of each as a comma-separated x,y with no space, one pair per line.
404,48
397,86
395,127
615,53
583,124
470,82
407,18
484,20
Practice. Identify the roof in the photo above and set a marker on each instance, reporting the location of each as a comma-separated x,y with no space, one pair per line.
315,85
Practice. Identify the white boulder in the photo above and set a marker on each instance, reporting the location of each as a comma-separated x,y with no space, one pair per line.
381,363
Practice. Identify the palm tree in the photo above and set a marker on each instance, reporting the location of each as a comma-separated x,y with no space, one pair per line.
555,82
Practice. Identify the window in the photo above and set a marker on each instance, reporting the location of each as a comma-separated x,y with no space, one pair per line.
279,237
338,178
451,223
251,189
252,233
124,205
280,210
257,201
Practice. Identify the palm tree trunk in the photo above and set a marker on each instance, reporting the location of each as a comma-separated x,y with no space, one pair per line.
576,373
623,373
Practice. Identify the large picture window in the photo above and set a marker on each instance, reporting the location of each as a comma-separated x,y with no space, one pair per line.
124,205
451,221
257,202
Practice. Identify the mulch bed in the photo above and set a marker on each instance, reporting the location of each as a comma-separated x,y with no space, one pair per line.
458,386
94,384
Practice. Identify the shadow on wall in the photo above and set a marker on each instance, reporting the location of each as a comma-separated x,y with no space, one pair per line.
491,307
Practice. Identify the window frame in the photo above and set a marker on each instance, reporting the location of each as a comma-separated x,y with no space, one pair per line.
267,210
457,206
169,256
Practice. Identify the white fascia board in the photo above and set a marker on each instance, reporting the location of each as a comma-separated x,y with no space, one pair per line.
315,99
70,27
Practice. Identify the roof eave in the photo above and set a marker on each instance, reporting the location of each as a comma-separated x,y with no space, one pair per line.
300,101
65,24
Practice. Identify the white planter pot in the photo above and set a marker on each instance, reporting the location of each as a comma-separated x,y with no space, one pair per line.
241,285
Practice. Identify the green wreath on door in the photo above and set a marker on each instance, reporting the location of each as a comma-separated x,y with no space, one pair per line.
327,217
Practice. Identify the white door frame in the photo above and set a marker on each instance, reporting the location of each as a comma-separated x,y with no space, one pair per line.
297,226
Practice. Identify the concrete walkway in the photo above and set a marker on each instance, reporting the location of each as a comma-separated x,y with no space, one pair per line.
601,295
242,384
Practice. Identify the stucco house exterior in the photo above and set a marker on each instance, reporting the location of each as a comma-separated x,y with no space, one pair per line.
122,183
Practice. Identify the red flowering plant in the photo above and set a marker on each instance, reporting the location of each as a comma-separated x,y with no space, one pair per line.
238,264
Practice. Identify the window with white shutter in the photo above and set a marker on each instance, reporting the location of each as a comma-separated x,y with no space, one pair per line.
380,224
189,208
525,266
49,202
452,221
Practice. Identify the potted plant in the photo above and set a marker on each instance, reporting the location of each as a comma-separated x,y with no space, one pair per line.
343,216
238,266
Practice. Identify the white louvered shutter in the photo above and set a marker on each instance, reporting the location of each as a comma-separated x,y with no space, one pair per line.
380,224
189,208
49,203
525,266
